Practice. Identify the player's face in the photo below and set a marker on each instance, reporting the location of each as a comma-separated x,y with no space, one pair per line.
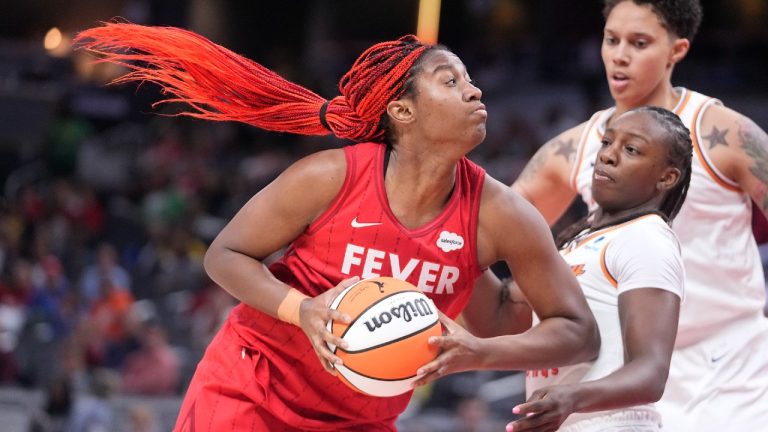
636,53
632,168
447,104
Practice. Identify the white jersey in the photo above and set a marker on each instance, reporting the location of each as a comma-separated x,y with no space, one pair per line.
725,283
641,253
718,379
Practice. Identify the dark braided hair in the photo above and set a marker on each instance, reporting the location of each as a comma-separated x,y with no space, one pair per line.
218,84
679,154
385,124
681,17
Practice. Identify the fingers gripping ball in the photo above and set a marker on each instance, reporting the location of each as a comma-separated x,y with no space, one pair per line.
391,323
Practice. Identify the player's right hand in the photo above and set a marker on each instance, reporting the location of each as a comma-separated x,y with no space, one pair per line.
458,353
314,314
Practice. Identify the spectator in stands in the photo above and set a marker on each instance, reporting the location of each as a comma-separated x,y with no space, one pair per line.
93,412
155,368
14,295
105,267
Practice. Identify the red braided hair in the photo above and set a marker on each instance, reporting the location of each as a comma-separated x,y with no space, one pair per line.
220,85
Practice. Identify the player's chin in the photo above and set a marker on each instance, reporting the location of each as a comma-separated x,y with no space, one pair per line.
479,134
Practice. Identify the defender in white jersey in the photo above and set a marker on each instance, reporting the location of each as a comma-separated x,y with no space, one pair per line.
627,260
719,374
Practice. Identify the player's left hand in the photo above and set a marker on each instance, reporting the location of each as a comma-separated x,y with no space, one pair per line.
545,410
460,352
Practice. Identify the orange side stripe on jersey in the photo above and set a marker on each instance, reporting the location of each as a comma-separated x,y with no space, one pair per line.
700,155
685,102
582,147
606,273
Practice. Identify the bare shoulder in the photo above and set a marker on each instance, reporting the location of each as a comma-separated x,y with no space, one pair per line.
326,165
506,220
319,172
554,159
732,140
311,183
545,180
283,209
739,149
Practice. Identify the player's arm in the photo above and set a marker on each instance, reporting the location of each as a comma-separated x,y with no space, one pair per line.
649,271
545,180
497,307
511,229
269,221
739,149
648,319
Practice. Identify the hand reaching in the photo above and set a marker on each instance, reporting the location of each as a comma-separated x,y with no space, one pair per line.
314,315
545,410
460,351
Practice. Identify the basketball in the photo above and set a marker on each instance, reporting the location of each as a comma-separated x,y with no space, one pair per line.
391,323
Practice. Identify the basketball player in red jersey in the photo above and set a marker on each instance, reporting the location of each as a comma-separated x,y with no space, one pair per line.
719,372
404,202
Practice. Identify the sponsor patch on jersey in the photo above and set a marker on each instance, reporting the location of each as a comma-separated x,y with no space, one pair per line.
449,241
595,244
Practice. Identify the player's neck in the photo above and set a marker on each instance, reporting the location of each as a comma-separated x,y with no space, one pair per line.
666,96
604,218
418,187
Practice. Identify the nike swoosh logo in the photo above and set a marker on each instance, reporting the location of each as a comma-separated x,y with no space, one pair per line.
356,224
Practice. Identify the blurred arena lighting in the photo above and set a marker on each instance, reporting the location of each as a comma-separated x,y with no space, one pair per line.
57,43
429,20
52,39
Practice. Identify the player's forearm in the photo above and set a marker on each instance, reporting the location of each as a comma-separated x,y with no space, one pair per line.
245,278
554,342
637,383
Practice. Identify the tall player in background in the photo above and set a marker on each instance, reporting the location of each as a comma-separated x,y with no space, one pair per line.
404,202
719,373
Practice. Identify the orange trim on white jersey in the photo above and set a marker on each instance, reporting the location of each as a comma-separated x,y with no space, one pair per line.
708,165
608,229
603,231
604,267
683,102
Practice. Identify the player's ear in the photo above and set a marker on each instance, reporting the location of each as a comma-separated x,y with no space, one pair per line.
680,49
669,179
401,111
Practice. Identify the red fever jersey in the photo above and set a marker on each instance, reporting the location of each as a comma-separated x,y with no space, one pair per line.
359,236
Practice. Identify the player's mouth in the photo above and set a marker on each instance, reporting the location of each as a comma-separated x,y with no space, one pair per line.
601,176
618,80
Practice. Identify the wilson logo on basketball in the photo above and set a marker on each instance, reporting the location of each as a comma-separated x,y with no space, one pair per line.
405,312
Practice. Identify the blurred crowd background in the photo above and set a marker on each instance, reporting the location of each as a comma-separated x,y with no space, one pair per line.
106,207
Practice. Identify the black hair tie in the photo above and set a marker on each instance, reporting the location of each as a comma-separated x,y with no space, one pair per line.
323,121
